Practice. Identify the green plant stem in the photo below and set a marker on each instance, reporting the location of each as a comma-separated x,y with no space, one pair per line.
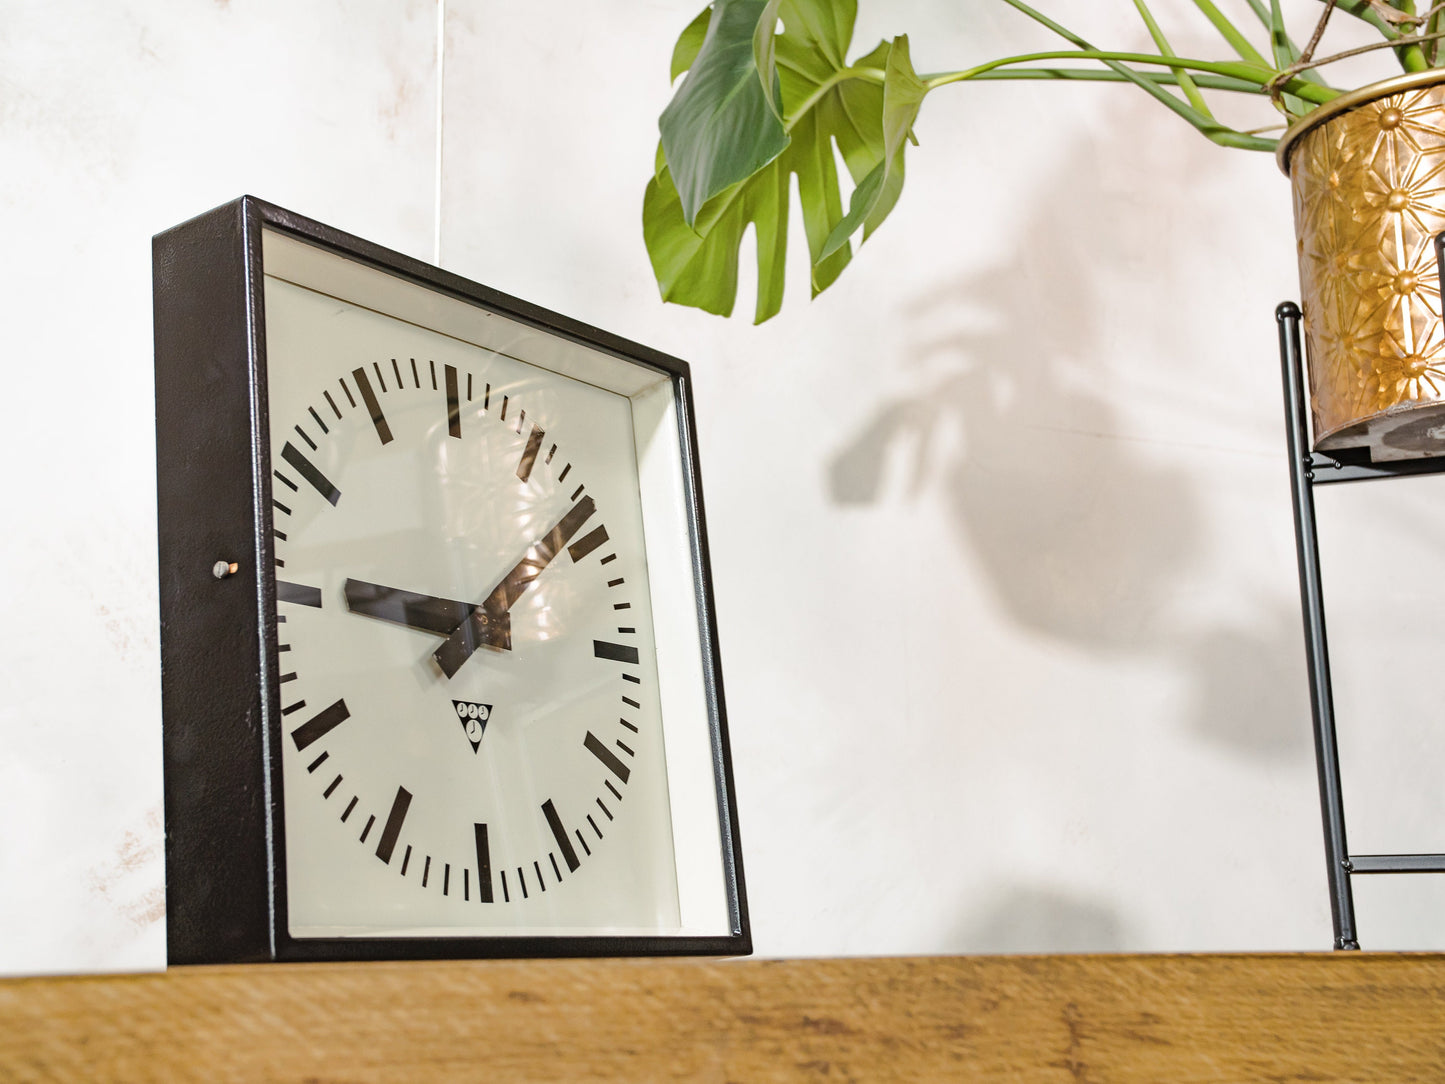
1100,75
1161,42
873,75
1227,30
1209,128
1249,73
1412,57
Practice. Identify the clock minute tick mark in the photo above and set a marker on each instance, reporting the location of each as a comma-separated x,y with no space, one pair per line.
350,806
332,403
302,433
317,418
370,821
583,841
334,784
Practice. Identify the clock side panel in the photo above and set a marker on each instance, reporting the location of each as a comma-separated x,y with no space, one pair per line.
216,809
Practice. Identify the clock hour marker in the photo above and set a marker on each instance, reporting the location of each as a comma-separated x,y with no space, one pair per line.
564,844
298,593
607,756
378,419
454,404
615,652
309,471
529,454
587,543
394,820
484,865
322,724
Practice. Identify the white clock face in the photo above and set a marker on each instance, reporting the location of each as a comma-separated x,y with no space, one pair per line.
471,717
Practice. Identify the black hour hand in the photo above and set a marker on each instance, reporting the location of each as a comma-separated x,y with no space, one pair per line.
428,613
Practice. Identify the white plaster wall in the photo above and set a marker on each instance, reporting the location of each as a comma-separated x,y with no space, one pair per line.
1000,523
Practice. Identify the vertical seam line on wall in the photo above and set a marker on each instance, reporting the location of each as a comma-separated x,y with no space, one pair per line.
441,86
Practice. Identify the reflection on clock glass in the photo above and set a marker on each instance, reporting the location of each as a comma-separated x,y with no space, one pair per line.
469,693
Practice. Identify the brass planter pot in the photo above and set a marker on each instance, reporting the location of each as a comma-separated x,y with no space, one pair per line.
1368,174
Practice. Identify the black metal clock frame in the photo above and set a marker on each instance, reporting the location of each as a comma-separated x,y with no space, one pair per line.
225,844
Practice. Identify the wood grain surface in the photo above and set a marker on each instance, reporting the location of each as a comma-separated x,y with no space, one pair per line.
1048,1018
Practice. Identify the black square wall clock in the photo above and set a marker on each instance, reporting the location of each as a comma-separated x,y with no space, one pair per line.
438,653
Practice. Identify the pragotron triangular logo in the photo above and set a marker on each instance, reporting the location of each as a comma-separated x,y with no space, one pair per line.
473,718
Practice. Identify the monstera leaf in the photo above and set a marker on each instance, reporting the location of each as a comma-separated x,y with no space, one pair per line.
758,108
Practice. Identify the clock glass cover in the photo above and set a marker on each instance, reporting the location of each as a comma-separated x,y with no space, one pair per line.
493,718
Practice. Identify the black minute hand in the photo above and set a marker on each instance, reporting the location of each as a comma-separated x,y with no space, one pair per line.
472,632
426,613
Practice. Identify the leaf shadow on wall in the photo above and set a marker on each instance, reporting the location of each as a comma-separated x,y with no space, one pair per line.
1081,534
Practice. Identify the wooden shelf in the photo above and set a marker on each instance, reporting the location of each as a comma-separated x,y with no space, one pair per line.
1344,1016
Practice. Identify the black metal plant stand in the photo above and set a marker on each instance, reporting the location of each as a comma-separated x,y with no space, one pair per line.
1307,470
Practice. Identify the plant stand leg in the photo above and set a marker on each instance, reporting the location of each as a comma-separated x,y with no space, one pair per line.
1301,481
